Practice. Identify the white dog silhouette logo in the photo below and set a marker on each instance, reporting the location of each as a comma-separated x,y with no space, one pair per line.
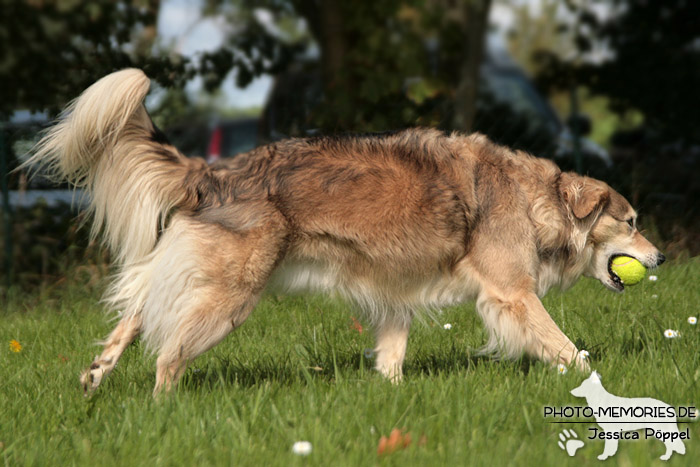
617,415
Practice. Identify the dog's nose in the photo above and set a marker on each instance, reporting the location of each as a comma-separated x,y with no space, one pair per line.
660,258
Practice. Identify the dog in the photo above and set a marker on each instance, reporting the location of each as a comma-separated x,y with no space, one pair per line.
398,223
615,424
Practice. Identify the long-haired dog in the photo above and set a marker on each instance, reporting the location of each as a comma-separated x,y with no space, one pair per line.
397,223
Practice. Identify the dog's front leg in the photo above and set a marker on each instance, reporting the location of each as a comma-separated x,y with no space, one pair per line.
549,342
519,323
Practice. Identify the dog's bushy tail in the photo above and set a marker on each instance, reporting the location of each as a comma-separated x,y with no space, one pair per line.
106,144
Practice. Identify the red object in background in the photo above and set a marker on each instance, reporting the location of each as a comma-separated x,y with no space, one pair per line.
214,149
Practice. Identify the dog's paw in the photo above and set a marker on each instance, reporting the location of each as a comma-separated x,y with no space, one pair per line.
91,378
391,372
569,442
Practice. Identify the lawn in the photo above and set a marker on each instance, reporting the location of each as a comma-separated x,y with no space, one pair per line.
296,371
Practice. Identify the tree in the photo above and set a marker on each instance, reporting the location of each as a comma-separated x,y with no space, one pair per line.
653,62
381,62
473,19
52,50
385,64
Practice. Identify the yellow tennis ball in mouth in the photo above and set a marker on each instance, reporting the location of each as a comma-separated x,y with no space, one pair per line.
629,270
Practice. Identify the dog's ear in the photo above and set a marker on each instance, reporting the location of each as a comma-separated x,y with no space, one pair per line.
582,194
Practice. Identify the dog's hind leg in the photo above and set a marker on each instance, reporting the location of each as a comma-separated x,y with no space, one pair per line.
392,336
201,330
222,274
126,331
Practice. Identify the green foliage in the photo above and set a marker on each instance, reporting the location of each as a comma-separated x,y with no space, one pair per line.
51,246
368,51
374,56
295,371
52,50
641,99
173,108
251,52
655,65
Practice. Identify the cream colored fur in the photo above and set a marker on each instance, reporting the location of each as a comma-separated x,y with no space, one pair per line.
92,146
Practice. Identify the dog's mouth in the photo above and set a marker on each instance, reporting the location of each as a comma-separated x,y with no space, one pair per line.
614,281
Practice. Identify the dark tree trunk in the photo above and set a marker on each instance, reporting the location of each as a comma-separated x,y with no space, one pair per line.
333,43
474,16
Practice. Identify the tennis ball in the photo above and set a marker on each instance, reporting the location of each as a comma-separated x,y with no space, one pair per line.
629,270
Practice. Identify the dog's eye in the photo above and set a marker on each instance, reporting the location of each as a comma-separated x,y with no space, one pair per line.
631,222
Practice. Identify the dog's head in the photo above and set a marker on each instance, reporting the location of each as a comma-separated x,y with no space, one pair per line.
605,226
588,387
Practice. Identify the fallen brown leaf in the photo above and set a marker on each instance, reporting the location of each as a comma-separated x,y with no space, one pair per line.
396,440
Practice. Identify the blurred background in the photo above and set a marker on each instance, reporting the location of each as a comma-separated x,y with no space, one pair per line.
605,88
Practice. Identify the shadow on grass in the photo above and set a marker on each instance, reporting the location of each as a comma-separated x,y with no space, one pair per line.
435,364
232,372
288,372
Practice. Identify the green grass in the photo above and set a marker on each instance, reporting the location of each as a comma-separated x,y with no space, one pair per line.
295,371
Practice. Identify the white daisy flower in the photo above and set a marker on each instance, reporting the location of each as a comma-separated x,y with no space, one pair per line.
368,353
447,326
584,354
302,448
561,369
653,278
692,320
654,296
670,333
